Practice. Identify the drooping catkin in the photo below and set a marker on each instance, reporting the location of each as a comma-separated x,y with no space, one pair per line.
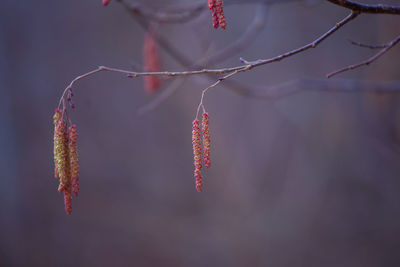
67,198
221,15
206,140
197,155
151,60
56,117
73,158
218,16
61,155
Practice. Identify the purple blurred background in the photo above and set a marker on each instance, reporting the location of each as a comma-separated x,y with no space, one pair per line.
312,179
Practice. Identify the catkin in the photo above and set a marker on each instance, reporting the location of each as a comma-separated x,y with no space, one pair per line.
221,15
73,158
206,140
197,155
217,11
56,117
151,61
62,156
68,198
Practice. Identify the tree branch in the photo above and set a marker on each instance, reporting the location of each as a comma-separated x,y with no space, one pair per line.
366,8
368,61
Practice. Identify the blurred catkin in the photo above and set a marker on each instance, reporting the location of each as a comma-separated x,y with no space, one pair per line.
151,60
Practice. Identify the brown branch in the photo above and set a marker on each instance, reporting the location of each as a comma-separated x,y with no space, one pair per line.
366,8
368,61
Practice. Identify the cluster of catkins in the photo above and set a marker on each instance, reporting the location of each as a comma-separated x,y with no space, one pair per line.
66,158
197,155
217,10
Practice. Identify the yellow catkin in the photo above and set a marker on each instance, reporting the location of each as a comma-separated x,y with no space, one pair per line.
73,158
197,155
56,117
61,155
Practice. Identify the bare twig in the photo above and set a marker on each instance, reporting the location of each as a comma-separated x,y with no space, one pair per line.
368,61
367,45
212,86
314,44
228,71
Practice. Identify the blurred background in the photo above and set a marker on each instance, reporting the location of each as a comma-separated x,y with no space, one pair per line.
310,179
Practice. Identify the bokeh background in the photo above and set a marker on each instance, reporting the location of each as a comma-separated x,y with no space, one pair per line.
311,179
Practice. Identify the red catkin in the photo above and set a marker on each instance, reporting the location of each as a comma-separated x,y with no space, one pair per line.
217,11
211,4
68,199
106,2
151,60
206,140
73,158
221,15
197,155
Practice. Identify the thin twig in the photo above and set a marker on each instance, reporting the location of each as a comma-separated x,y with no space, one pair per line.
368,61
367,45
212,86
314,44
